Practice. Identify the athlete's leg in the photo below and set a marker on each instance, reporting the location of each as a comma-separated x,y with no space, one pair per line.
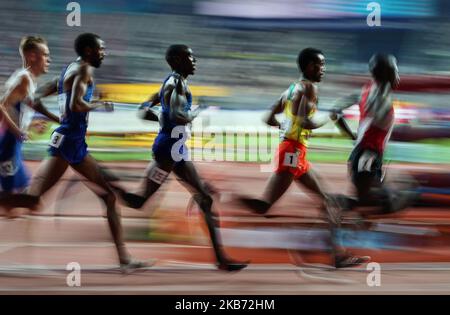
10,200
91,171
312,181
156,174
49,172
276,186
188,175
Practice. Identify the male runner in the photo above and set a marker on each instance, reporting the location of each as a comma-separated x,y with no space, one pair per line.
375,127
298,104
170,152
68,147
17,107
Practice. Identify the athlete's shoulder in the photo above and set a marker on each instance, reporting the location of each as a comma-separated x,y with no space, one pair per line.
83,71
20,78
302,88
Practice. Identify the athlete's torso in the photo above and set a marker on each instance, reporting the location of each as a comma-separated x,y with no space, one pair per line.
21,113
373,134
291,126
72,124
167,123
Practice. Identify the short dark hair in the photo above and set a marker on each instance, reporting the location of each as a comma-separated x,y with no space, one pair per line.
175,51
380,64
306,56
85,40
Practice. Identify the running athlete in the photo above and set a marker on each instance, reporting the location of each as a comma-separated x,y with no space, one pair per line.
17,107
299,104
68,147
146,111
170,152
375,127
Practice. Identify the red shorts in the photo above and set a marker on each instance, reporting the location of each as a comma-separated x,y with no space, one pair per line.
291,157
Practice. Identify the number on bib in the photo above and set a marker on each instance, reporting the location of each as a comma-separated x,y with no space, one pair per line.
158,175
290,159
56,139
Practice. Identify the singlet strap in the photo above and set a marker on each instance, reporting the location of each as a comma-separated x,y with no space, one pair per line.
291,91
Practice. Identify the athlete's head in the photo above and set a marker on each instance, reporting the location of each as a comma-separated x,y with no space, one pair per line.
181,59
35,54
383,68
311,62
91,48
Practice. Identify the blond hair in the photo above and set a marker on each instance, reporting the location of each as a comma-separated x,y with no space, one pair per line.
29,43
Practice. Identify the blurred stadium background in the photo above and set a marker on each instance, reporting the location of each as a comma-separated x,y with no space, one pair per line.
246,54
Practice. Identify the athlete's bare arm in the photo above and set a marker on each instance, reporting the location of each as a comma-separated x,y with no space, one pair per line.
47,89
308,99
346,102
12,97
337,116
175,93
79,87
154,100
277,108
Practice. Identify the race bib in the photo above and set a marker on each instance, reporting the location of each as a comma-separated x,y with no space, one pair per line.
158,175
56,139
290,159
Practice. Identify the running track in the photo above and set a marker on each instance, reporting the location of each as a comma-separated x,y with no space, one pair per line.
34,250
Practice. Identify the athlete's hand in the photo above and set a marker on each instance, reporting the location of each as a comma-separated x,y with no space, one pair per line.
109,106
197,111
149,114
144,105
38,126
202,107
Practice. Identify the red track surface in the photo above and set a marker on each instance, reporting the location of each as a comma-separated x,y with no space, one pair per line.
185,260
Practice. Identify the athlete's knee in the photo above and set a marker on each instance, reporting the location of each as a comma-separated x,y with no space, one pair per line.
108,198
